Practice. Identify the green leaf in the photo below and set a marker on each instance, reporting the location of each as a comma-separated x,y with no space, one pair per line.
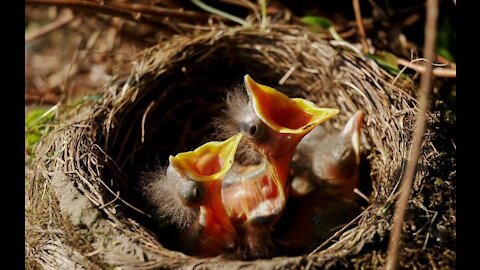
37,125
32,139
386,60
446,40
317,21
320,24
38,117
446,54
33,116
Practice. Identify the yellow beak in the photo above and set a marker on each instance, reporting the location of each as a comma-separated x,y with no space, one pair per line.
209,162
353,130
284,114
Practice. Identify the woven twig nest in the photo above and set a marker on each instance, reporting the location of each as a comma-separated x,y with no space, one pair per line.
83,187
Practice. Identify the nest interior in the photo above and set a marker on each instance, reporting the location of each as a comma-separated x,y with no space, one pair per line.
166,106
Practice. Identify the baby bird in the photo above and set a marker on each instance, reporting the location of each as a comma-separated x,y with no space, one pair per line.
272,124
330,160
310,220
326,172
187,197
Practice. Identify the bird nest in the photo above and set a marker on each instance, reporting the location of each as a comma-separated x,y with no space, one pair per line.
84,206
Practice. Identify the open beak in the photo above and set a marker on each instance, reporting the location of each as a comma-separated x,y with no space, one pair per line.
209,163
283,114
251,195
289,119
353,130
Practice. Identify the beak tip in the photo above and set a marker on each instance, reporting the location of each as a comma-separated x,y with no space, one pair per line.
359,116
354,125
249,84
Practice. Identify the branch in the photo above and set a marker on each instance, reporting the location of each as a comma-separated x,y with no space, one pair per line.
154,10
165,3
437,72
220,13
407,181
133,12
361,28
59,22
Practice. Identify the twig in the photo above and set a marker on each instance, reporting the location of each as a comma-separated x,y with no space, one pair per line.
309,265
67,75
334,33
221,13
165,3
361,28
441,72
407,181
105,9
59,22
264,13
154,10
110,202
356,190
287,75
143,119
117,196
442,60
437,72
95,252
337,233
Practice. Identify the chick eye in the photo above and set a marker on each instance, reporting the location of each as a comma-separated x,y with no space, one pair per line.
197,193
254,131
192,192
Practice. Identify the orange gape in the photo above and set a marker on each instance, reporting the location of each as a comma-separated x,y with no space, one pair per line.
251,194
273,125
209,163
217,235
